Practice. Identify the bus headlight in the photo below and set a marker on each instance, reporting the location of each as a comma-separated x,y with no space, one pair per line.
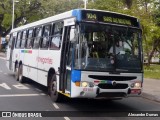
137,85
84,84
132,85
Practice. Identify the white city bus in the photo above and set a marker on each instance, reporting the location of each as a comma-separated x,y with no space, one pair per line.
71,54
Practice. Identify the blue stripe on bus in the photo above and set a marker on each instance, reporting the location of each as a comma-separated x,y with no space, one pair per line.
78,14
75,75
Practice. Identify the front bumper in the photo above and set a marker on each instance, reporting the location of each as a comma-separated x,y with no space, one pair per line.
96,92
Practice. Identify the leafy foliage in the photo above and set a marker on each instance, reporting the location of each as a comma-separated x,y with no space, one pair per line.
25,11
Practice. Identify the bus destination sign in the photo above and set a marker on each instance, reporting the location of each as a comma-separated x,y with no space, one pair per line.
109,18
91,16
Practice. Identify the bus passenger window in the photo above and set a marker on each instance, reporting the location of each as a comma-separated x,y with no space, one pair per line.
57,36
24,36
18,40
30,38
55,43
46,36
37,37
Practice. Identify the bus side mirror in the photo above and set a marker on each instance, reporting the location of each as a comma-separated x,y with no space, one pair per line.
72,34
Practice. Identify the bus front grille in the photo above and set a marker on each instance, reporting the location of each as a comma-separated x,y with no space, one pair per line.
110,86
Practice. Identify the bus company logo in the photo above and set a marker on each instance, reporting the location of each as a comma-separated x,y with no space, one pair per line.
44,60
26,51
114,83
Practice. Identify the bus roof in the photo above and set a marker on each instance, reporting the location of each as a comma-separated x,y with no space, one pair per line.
68,14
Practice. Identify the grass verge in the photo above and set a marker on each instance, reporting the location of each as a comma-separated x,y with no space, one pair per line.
153,71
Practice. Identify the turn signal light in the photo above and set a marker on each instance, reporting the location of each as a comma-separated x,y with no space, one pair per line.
77,84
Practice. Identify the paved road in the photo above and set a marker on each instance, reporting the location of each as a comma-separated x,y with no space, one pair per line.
31,96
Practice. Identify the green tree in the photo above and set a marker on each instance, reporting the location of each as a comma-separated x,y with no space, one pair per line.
110,5
53,7
25,11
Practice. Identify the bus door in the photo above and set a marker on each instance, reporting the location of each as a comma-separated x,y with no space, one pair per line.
11,46
65,65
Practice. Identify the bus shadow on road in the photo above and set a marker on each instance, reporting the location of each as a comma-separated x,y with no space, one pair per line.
98,104
31,83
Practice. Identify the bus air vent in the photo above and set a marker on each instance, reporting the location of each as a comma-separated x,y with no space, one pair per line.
112,78
110,86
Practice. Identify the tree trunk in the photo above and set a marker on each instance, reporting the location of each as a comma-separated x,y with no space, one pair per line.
155,45
146,46
128,3
150,56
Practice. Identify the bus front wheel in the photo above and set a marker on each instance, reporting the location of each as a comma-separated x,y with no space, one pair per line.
54,94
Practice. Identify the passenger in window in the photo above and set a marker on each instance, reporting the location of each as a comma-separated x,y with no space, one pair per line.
45,40
55,42
118,47
30,44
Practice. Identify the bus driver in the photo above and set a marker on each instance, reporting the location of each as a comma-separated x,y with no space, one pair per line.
118,47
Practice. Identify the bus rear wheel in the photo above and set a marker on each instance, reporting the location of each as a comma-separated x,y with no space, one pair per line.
20,74
16,72
54,94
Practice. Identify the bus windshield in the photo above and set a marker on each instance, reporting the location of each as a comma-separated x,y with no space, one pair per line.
108,48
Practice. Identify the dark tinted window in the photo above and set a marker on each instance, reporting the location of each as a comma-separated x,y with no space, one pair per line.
57,35
46,36
37,38
30,38
24,36
18,40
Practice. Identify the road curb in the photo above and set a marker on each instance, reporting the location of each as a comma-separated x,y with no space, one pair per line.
150,97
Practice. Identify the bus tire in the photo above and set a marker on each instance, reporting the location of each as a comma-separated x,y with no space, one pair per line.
20,74
55,96
16,72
